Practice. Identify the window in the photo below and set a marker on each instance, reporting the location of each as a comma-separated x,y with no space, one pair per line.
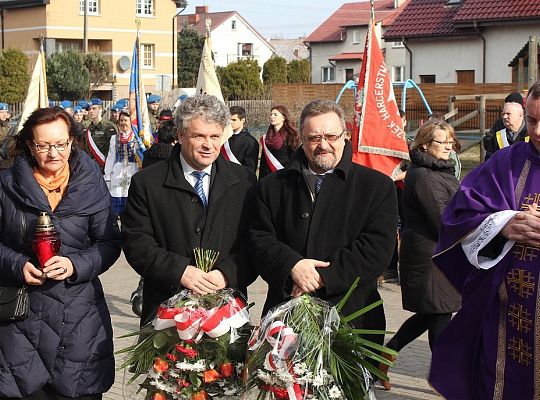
147,51
398,73
144,7
61,46
328,74
245,50
93,7
427,78
349,74
397,44
233,25
356,36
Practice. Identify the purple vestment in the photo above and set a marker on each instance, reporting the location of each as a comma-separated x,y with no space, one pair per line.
489,350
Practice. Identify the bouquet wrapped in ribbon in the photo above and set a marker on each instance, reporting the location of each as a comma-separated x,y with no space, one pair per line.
195,347
304,349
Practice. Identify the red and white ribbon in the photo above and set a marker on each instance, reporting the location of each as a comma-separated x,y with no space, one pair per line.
227,153
232,315
165,317
271,160
94,149
283,340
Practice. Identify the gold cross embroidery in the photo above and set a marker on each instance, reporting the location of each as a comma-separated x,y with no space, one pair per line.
522,282
530,199
520,318
520,351
524,252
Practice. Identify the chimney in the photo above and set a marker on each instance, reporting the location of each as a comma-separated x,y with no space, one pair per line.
193,19
201,10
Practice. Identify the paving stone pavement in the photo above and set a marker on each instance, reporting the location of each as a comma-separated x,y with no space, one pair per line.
408,377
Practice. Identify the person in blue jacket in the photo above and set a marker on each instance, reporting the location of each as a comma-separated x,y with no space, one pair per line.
64,348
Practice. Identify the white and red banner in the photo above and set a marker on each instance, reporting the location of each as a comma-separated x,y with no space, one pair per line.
227,153
272,161
378,138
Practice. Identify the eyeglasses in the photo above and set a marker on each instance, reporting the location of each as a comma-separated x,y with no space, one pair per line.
451,143
329,137
46,147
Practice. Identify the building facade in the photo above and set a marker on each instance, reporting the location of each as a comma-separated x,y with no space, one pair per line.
111,30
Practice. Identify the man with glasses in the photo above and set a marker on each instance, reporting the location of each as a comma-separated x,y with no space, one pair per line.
193,199
323,221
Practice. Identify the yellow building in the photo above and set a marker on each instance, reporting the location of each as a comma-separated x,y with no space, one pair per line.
111,29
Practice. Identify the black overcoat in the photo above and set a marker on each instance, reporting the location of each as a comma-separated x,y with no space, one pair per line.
165,220
67,339
429,186
352,224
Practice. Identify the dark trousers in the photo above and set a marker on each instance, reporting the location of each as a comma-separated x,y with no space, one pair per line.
416,326
47,393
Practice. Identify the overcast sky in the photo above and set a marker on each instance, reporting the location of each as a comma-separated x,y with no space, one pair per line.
275,18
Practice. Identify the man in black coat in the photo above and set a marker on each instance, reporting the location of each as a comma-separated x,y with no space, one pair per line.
194,199
242,144
323,221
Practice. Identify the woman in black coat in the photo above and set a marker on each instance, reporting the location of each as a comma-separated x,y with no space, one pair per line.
281,141
64,348
429,185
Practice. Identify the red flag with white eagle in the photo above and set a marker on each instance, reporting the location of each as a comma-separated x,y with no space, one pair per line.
378,138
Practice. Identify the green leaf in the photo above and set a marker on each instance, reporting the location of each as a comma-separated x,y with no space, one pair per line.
345,298
364,310
160,340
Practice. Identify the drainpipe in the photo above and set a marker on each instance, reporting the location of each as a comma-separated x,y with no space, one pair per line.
310,63
2,19
410,56
483,52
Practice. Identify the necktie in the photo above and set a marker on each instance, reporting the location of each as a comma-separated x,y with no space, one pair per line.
199,186
318,183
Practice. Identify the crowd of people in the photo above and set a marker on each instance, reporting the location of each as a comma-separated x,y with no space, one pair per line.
312,221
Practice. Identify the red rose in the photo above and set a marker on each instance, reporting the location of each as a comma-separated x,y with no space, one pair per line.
160,365
186,351
210,375
227,369
200,395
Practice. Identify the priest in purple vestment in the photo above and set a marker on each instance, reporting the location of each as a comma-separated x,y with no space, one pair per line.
489,248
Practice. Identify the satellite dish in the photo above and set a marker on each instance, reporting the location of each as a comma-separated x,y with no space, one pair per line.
124,63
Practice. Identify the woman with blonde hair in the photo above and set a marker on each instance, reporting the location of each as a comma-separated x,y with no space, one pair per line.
429,185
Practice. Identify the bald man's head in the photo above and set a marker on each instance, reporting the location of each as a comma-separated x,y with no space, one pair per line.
512,116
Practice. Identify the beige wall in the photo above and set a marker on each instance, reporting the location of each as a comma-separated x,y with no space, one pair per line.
112,32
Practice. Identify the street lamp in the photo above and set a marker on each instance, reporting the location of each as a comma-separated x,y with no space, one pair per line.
182,4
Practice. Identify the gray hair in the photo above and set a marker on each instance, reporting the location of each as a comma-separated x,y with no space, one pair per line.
319,107
204,106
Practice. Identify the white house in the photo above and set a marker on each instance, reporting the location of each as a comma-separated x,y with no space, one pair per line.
233,38
464,41
337,45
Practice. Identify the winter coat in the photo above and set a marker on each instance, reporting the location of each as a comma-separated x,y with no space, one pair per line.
246,149
66,341
429,185
156,153
165,220
352,224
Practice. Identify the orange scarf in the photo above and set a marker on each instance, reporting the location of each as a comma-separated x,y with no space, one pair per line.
54,187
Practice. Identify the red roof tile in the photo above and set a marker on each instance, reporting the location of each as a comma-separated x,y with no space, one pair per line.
347,56
484,10
423,18
200,25
353,14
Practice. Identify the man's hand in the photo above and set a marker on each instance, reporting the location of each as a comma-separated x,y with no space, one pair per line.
305,274
524,227
197,280
217,278
32,275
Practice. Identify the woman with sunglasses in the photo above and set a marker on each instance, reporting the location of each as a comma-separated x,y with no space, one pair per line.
429,185
64,347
